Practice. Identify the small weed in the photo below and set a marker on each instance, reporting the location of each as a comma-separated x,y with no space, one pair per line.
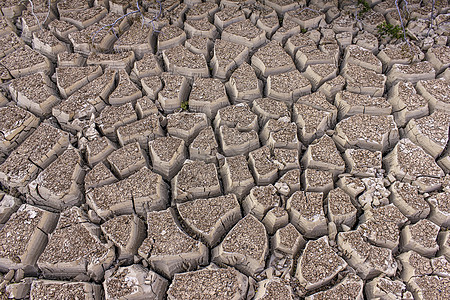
304,30
395,32
365,4
185,105
365,8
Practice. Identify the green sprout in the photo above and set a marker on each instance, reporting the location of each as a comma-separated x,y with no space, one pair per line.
395,32
185,105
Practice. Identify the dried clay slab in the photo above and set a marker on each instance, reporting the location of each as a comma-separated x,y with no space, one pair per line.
306,18
408,200
406,103
89,99
317,180
59,185
145,107
222,212
306,213
274,287
362,57
115,61
375,133
141,131
169,37
425,287
226,56
408,162
340,208
243,85
98,150
17,124
268,108
70,79
139,39
350,104
364,81
48,44
413,264
207,96
134,282
369,261
179,60
8,205
438,57
314,115
322,154
59,28
289,182
385,287
227,16
261,200
168,155
235,142
280,134
288,86
175,92
439,208
238,116
167,248
272,59
112,117
288,240
86,255
147,66
223,283
275,218
204,147
200,45
320,73
421,237
236,176
23,238
246,242
196,179
396,54
363,162
35,92
127,160
350,287
141,192
244,33
200,27
25,61
430,132
318,264
435,93
41,289
412,73
125,91
202,10
22,164
99,175
186,125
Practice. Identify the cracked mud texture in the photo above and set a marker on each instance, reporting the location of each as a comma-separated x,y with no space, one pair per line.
225,149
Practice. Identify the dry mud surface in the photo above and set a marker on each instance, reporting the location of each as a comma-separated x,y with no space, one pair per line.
271,149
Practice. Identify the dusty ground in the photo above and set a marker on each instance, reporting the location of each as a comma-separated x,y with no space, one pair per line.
227,149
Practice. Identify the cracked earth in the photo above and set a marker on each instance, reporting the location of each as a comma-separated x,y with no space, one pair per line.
272,149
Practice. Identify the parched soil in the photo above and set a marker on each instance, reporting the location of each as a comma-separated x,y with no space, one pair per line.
232,149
